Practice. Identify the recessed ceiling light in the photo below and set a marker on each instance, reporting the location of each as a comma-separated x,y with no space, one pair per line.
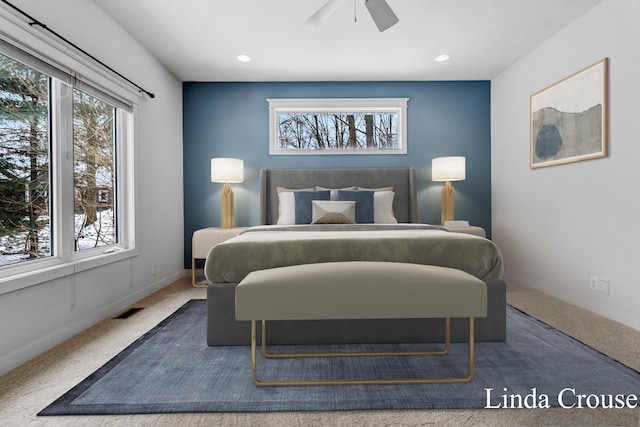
442,58
244,58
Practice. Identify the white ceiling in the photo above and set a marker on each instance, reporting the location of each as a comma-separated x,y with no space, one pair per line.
199,40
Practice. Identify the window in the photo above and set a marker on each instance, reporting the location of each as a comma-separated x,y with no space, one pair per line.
25,232
93,171
338,126
66,168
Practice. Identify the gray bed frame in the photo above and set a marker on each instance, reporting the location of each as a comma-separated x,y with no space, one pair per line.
223,329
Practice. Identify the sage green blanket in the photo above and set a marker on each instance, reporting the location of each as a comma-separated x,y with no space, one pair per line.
264,247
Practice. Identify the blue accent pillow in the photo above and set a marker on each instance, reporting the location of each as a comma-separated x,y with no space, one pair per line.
302,202
364,204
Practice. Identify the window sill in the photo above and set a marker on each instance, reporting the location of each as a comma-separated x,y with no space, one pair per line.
45,274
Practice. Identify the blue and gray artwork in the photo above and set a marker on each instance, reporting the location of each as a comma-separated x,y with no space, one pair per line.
559,135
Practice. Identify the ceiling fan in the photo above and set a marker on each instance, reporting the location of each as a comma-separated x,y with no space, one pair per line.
379,10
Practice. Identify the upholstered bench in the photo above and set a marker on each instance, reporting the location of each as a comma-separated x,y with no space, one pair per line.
360,290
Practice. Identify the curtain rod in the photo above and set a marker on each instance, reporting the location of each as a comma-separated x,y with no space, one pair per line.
35,22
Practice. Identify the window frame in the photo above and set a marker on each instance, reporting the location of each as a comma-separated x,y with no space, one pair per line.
64,260
337,105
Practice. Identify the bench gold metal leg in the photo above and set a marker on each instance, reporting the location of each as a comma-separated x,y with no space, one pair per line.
254,375
472,334
379,381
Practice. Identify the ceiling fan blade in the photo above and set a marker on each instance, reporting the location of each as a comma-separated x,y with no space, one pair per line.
381,13
324,12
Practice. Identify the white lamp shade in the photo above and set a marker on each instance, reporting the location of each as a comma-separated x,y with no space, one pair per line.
452,168
224,169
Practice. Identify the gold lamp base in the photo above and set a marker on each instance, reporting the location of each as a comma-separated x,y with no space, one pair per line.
447,203
226,214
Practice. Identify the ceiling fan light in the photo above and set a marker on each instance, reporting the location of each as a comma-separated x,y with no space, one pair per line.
381,13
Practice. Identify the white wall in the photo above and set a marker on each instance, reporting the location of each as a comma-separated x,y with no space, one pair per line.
34,319
559,225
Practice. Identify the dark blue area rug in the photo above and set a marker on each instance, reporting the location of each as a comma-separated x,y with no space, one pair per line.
171,369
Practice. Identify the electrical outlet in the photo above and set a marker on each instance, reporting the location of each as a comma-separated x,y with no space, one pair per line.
594,283
153,269
604,285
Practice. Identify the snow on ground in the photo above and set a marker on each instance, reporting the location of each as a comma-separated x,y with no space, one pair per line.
103,230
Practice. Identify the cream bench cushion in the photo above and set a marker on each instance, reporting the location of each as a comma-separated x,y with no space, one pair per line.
359,290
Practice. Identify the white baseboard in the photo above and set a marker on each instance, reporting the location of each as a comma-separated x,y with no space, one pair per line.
64,332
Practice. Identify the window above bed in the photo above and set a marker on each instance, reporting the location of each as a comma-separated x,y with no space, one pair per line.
338,126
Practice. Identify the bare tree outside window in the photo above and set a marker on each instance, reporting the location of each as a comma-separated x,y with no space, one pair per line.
24,163
319,131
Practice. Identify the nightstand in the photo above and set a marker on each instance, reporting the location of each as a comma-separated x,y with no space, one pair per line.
476,231
202,242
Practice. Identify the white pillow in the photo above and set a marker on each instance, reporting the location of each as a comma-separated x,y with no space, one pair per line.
286,208
383,207
287,205
333,212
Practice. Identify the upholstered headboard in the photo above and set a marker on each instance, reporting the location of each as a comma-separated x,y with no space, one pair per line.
403,181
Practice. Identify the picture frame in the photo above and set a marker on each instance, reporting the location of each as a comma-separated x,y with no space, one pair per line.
312,126
569,119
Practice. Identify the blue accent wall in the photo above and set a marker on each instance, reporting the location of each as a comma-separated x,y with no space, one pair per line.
232,120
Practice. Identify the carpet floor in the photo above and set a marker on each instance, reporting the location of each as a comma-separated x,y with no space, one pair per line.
171,370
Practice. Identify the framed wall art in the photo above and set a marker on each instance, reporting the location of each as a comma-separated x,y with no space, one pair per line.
338,126
569,118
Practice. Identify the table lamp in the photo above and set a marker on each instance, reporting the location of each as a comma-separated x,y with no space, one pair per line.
227,170
452,168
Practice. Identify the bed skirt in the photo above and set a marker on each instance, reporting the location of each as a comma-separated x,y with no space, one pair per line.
224,329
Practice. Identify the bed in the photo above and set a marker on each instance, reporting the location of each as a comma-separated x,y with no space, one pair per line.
400,238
